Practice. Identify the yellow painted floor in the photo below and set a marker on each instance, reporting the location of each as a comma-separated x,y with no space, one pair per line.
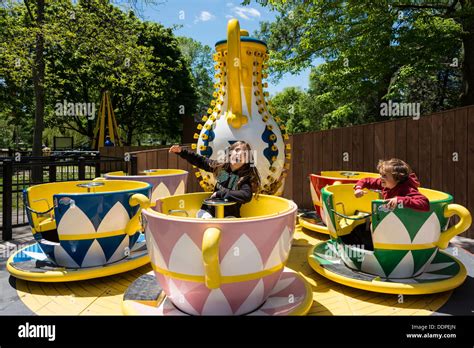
103,296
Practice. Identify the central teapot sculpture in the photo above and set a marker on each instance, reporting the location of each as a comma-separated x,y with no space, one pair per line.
239,112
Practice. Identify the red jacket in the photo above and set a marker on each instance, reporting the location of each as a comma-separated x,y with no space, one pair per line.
406,192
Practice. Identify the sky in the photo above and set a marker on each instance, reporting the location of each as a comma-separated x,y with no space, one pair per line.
206,21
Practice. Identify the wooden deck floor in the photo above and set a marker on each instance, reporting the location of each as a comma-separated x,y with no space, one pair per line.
103,296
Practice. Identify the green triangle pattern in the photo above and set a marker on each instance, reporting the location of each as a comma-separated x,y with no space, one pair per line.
389,259
411,221
420,257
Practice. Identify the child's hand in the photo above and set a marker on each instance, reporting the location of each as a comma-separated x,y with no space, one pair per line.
391,203
359,193
175,149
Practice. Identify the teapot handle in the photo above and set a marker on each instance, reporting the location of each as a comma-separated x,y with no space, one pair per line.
234,69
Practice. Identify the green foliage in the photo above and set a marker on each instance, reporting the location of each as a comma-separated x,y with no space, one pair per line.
90,47
373,51
199,58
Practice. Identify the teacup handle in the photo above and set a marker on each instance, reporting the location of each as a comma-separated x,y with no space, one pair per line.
210,257
134,223
463,224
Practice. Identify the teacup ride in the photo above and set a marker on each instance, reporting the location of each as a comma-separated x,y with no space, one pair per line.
220,266
83,230
165,182
407,256
314,220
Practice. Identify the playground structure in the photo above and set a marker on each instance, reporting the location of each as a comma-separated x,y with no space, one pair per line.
106,121
239,112
238,266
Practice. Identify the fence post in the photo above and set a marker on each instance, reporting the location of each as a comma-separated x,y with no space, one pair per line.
97,166
82,168
7,199
52,169
134,165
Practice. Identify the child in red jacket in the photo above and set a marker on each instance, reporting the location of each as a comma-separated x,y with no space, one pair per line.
398,185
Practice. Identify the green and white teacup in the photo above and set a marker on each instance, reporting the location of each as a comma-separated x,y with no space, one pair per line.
405,240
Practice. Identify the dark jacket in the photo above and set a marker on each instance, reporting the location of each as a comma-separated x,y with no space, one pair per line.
406,192
226,186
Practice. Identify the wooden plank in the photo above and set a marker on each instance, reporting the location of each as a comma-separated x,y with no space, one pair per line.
288,191
379,142
412,144
172,160
298,169
337,149
470,166
369,148
162,159
347,152
317,163
327,154
389,139
307,167
357,147
424,151
183,164
141,162
448,150
460,147
401,139
436,151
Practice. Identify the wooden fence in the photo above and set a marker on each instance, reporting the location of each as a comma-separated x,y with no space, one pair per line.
439,147
119,152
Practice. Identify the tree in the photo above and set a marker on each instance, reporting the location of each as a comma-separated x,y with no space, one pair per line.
374,51
199,58
293,106
93,46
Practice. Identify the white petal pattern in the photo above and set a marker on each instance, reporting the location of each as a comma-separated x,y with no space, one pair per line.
247,260
75,221
391,231
116,219
186,257
95,256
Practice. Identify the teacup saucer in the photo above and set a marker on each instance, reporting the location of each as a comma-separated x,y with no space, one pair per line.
312,221
30,263
145,297
445,273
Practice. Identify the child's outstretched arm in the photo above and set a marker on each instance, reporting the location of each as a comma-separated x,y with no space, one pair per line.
242,195
368,183
195,159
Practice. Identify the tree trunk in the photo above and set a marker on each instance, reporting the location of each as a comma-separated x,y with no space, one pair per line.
38,81
129,136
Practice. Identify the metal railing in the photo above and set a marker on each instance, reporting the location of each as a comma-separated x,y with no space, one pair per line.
19,173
